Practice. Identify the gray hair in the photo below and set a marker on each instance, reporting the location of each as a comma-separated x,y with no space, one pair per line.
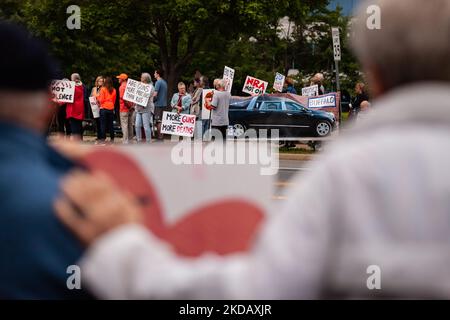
221,83
146,77
75,77
413,44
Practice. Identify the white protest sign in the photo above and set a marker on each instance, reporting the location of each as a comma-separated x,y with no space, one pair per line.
228,76
279,82
255,86
95,107
207,98
178,124
336,44
326,101
63,91
137,92
311,91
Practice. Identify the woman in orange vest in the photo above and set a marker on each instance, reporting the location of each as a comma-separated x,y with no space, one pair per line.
107,100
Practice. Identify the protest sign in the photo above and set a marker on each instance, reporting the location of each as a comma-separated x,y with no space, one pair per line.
254,86
63,91
94,107
228,76
181,202
279,82
326,101
137,92
311,91
178,124
207,98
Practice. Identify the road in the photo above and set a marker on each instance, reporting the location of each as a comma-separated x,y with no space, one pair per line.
288,169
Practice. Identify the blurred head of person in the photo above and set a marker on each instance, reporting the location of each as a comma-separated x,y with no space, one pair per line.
181,88
221,84
146,78
99,81
109,84
412,45
75,77
158,74
25,101
360,88
204,81
365,106
122,78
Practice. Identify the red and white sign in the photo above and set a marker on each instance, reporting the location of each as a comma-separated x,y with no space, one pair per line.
278,84
196,208
254,86
207,98
63,91
178,124
95,107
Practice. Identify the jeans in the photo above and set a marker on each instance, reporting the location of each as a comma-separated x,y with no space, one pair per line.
126,123
106,123
145,120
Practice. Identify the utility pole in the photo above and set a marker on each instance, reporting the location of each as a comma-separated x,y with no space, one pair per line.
337,58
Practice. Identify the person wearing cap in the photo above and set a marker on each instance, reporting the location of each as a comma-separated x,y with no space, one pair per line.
35,249
126,110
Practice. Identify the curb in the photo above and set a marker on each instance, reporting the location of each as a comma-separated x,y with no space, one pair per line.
293,156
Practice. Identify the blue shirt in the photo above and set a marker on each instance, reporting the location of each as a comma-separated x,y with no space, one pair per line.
161,97
35,248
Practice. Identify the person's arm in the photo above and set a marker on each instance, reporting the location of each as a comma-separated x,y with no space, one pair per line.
155,94
186,103
101,97
287,261
215,101
174,101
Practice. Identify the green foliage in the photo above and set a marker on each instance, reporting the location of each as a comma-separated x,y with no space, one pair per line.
182,36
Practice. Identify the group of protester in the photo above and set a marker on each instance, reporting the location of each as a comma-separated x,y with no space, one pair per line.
320,244
139,120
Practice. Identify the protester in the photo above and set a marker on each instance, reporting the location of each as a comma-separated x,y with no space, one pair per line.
206,123
75,110
144,114
126,110
361,95
160,99
326,239
290,86
196,108
107,100
220,103
318,80
181,101
62,123
35,249
365,110
95,93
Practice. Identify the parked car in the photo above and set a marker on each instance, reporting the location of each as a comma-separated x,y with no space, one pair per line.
288,116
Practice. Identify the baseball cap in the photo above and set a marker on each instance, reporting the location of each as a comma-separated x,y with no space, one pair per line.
122,76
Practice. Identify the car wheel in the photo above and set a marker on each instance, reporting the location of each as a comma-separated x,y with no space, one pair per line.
239,130
323,128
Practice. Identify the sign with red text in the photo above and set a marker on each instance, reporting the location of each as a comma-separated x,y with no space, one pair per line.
228,76
63,91
254,86
178,124
94,107
137,92
279,82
